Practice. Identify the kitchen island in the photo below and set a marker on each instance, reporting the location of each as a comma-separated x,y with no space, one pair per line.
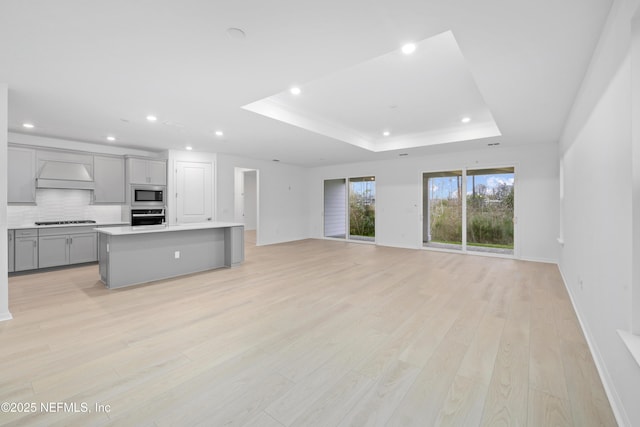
133,255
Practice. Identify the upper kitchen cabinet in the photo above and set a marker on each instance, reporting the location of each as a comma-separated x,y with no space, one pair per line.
108,174
21,170
157,171
145,171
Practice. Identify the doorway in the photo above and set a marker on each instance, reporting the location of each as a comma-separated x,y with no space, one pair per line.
246,207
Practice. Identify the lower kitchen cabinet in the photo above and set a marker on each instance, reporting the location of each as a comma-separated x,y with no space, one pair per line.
66,245
52,251
25,249
10,238
83,248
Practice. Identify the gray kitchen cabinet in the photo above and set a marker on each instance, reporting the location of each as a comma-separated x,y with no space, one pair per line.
137,171
21,174
234,246
10,238
157,171
108,175
26,249
52,251
66,245
83,248
145,171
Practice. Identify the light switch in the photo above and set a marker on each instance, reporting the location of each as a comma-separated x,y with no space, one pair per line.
177,254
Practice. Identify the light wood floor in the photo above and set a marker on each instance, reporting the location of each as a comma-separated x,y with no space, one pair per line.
310,333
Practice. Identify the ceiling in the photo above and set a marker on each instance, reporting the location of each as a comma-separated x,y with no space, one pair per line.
87,70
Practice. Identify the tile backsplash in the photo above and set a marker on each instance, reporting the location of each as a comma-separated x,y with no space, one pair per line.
62,205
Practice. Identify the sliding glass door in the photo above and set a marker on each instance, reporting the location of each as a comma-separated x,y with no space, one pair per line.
490,197
442,210
335,208
481,221
350,210
362,208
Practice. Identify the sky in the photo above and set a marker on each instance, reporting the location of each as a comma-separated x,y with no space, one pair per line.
446,187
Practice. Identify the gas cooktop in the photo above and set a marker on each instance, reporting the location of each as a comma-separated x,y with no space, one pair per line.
77,221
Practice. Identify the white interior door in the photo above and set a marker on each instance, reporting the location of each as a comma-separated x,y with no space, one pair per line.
193,192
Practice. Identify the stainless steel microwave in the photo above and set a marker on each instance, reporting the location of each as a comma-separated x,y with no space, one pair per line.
148,195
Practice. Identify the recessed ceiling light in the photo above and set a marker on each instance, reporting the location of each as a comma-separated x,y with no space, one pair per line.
219,133
152,118
408,48
111,138
295,90
465,119
386,133
188,148
28,125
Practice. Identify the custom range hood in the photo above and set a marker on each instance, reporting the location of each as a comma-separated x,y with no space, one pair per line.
65,174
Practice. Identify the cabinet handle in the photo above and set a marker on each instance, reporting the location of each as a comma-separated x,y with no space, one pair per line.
35,243
71,240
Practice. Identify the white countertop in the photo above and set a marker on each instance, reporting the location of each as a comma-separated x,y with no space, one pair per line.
97,224
142,229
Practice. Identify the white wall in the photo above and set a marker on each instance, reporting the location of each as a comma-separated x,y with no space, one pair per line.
238,194
4,282
596,214
635,154
282,198
399,194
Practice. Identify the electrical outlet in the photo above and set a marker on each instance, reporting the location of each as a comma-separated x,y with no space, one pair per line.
177,254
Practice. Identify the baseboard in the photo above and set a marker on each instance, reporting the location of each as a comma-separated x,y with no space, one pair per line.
612,395
542,260
5,316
